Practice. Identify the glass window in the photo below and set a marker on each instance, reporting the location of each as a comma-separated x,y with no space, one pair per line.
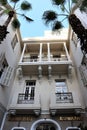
14,41
61,86
30,89
3,66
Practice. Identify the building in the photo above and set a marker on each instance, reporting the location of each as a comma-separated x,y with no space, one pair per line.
43,83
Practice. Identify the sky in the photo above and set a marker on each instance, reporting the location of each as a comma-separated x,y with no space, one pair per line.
37,27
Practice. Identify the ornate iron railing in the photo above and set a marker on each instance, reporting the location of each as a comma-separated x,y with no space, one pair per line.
25,98
64,97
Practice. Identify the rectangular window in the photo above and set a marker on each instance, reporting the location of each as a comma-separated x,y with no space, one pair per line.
61,86
30,89
14,41
3,65
62,94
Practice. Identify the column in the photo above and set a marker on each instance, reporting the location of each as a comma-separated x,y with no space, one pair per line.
48,47
40,54
49,71
67,54
23,53
40,71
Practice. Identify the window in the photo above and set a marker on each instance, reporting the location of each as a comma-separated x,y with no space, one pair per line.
61,86
3,66
30,89
14,41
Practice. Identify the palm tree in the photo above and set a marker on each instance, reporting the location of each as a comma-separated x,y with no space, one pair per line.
67,8
12,7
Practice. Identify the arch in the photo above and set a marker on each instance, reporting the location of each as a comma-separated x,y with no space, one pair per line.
36,123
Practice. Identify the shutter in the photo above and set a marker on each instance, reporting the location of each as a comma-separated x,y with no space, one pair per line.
6,76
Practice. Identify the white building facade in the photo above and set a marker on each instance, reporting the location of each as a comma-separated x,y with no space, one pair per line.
9,57
41,87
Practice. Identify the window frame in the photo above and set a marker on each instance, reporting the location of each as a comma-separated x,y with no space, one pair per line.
63,88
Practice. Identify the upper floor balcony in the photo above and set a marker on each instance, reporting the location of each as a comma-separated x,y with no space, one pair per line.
45,58
44,52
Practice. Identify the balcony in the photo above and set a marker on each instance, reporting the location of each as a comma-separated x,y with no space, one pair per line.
25,99
23,103
64,103
53,59
43,55
64,98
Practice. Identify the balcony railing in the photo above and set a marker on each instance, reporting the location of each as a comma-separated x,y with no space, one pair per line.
27,59
25,98
64,98
59,59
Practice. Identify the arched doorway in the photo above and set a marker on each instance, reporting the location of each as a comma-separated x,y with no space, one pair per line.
45,124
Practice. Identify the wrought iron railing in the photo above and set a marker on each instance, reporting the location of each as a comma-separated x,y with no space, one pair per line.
64,97
25,98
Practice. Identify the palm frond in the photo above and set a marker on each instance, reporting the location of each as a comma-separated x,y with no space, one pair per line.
49,16
58,2
3,2
57,25
62,8
74,1
6,11
15,23
15,1
26,5
27,18
83,6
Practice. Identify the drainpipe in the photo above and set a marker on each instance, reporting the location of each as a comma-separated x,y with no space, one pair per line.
3,121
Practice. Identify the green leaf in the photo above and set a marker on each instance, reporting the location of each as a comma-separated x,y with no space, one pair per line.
74,1
83,7
15,1
49,16
57,25
26,5
27,18
3,2
15,23
58,2
6,11
62,8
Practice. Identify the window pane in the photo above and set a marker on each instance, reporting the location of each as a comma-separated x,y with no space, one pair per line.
60,86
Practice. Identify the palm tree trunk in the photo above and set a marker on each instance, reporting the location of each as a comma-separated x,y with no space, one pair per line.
81,32
10,16
3,29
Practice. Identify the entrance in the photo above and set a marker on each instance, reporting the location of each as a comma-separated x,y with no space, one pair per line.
45,124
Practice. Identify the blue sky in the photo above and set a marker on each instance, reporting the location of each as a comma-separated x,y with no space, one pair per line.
37,27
